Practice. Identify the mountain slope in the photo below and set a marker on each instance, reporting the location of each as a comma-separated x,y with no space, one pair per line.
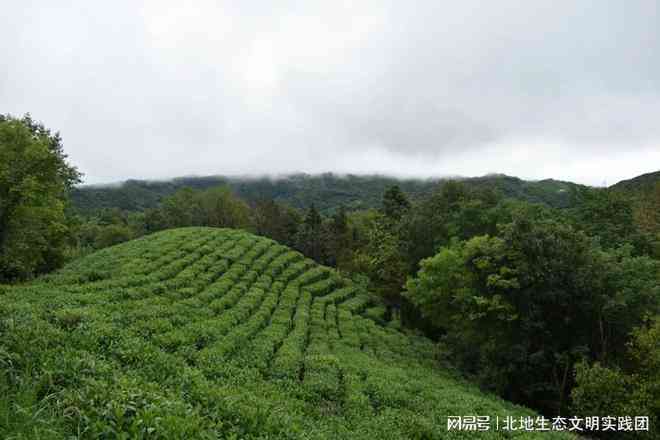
326,191
216,333
640,184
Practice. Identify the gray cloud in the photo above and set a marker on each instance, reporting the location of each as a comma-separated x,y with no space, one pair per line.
565,89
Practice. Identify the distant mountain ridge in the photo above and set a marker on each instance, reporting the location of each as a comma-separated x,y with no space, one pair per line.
326,191
643,183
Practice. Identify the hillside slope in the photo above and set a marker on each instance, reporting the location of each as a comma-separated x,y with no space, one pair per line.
216,333
326,191
640,184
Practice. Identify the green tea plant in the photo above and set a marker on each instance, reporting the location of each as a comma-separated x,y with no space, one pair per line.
215,333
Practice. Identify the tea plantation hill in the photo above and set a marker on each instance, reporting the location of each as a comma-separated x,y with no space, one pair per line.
202,333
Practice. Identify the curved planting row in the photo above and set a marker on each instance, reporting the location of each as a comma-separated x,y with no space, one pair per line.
217,333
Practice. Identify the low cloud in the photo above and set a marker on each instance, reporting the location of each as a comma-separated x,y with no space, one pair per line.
564,89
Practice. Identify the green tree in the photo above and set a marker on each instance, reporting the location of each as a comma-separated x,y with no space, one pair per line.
339,238
380,251
311,236
454,210
111,216
182,209
155,219
631,390
520,309
217,207
276,221
111,235
220,208
35,178
382,260
395,203
109,227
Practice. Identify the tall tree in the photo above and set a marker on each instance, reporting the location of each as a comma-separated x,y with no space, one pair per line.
453,211
274,220
339,237
386,264
35,178
395,203
310,238
220,208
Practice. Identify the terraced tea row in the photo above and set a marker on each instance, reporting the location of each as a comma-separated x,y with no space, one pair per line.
207,333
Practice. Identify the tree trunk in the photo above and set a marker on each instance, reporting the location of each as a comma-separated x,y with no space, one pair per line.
562,388
603,338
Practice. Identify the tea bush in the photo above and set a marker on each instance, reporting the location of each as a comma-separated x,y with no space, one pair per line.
216,333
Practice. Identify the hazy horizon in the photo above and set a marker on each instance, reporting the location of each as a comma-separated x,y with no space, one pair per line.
282,176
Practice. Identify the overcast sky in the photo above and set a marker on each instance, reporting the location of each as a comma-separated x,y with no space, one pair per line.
155,89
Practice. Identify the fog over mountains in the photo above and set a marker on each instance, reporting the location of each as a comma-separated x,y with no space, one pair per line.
158,89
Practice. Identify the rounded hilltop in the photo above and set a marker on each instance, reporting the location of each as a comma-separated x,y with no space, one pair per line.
218,333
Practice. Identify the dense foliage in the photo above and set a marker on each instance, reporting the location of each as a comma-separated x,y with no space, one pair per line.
541,305
640,184
522,308
326,191
634,389
216,333
34,180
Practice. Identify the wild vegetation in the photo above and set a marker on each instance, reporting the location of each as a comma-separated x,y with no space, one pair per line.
34,183
326,191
